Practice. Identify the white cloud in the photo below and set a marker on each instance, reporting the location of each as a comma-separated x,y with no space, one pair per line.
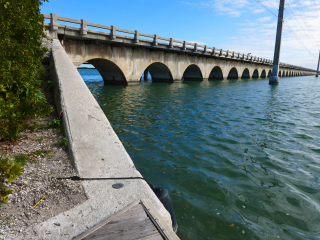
258,11
226,7
264,19
257,31
200,43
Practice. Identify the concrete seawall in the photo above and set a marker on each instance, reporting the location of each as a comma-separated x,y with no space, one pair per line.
96,152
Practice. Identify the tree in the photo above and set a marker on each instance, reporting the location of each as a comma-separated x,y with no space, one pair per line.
21,30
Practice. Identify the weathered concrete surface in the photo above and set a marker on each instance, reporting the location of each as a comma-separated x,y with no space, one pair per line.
96,152
126,64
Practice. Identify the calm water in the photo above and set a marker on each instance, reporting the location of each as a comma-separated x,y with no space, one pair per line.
240,158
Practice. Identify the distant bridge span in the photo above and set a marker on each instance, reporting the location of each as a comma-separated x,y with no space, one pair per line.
124,58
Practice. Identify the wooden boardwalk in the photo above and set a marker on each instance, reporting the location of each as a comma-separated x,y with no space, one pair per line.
139,220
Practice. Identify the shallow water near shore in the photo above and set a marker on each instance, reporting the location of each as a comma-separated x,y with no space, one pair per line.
240,158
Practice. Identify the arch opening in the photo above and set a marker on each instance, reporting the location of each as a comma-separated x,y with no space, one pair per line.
255,74
157,72
269,73
245,74
109,71
263,74
287,74
283,74
192,73
216,74
233,74
279,74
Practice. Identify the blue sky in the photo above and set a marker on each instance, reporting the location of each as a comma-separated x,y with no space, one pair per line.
245,26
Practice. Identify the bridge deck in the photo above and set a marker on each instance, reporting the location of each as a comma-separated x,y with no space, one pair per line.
134,222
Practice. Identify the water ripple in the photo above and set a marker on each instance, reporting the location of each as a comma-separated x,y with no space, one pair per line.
230,152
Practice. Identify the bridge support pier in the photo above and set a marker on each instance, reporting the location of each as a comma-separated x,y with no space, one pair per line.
145,75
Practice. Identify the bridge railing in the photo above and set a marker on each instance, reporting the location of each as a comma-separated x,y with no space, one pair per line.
154,40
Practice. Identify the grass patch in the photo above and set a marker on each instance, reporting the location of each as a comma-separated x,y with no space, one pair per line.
41,152
21,159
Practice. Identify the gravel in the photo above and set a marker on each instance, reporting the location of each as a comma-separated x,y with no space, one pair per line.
46,162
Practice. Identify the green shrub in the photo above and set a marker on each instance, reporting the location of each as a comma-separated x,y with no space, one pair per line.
21,30
8,172
55,123
63,142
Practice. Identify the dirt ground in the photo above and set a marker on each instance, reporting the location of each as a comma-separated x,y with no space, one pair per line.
38,194
45,162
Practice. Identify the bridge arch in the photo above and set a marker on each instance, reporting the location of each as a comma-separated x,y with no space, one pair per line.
193,73
269,73
233,73
283,73
159,72
287,74
110,72
245,74
263,74
255,74
216,74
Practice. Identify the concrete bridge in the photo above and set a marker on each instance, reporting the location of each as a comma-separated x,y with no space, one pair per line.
125,57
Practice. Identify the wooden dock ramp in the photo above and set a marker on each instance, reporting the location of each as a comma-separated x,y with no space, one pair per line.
139,220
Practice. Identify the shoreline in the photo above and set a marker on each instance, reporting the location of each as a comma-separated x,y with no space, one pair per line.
46,158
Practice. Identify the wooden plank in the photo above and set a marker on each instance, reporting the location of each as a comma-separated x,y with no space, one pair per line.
156,236
132,224
158,220
114,216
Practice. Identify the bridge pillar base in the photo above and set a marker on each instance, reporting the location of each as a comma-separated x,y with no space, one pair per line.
177,80
274,80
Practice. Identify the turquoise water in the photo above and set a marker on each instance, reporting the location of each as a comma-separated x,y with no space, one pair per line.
240,158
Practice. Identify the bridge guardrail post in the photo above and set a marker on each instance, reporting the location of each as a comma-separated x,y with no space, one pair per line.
205,49
136,36
54,25
220,52
113,32
171,43
155,40
213,51
84,29
184,47
195,47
